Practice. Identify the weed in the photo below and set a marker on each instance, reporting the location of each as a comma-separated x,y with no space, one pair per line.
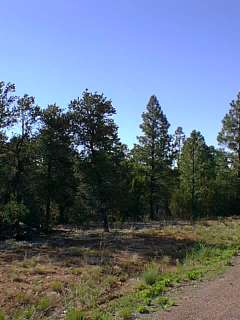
57,286
194,274
43,304
142,309
151,274
24,298
75,314
100,315
2,316
164,302
125,313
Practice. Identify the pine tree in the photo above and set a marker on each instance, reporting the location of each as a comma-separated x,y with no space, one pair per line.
96,135
177,144
196,168
229,136
154,150
56,163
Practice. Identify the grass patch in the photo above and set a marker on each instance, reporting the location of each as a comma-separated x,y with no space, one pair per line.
2,315
75,314
151,274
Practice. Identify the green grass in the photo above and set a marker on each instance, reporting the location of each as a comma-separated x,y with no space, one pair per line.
75,314
2,316
206,259
151,274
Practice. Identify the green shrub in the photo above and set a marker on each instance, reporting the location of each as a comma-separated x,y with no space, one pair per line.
13,212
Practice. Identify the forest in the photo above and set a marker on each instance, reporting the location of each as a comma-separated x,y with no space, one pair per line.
67,165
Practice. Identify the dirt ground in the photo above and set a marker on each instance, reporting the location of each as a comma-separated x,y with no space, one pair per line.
29,271
217,299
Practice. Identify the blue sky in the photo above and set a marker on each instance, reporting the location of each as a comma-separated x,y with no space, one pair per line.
185,52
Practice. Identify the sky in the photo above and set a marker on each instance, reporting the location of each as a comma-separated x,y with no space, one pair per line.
185,52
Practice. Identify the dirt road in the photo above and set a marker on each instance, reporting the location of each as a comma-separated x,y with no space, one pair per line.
218,299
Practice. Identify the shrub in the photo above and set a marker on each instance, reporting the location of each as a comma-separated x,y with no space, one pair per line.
13,212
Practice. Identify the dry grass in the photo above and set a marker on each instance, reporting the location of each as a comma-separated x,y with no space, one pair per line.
86,270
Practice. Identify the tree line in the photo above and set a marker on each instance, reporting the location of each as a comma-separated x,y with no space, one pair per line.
68,165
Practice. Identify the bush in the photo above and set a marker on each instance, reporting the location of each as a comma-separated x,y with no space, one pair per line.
13,212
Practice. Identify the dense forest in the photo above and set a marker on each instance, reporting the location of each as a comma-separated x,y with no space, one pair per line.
68,165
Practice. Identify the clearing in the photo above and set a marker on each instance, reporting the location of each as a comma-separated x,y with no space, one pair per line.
126,274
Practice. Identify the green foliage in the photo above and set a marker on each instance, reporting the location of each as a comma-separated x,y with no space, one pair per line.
125,313
194,274
151,274
75,314
43,304
100,315
142,309
63,166
164,302
2,316
14,212
196,175
153,151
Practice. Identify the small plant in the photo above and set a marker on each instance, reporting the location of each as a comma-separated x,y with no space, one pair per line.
142,309
43,304
24,298
100,315
75,314
2,316
164,302
76,271
125,313
194,275
151,274
57,286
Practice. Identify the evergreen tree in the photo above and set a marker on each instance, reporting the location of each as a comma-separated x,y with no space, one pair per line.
96,135
56,164
196,169
230,133
177,145
153,151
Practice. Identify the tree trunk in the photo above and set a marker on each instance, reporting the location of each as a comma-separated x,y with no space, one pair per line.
48,200
152,180
193,183
104,219
151,199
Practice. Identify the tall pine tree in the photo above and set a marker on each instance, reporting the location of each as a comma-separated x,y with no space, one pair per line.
153,151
